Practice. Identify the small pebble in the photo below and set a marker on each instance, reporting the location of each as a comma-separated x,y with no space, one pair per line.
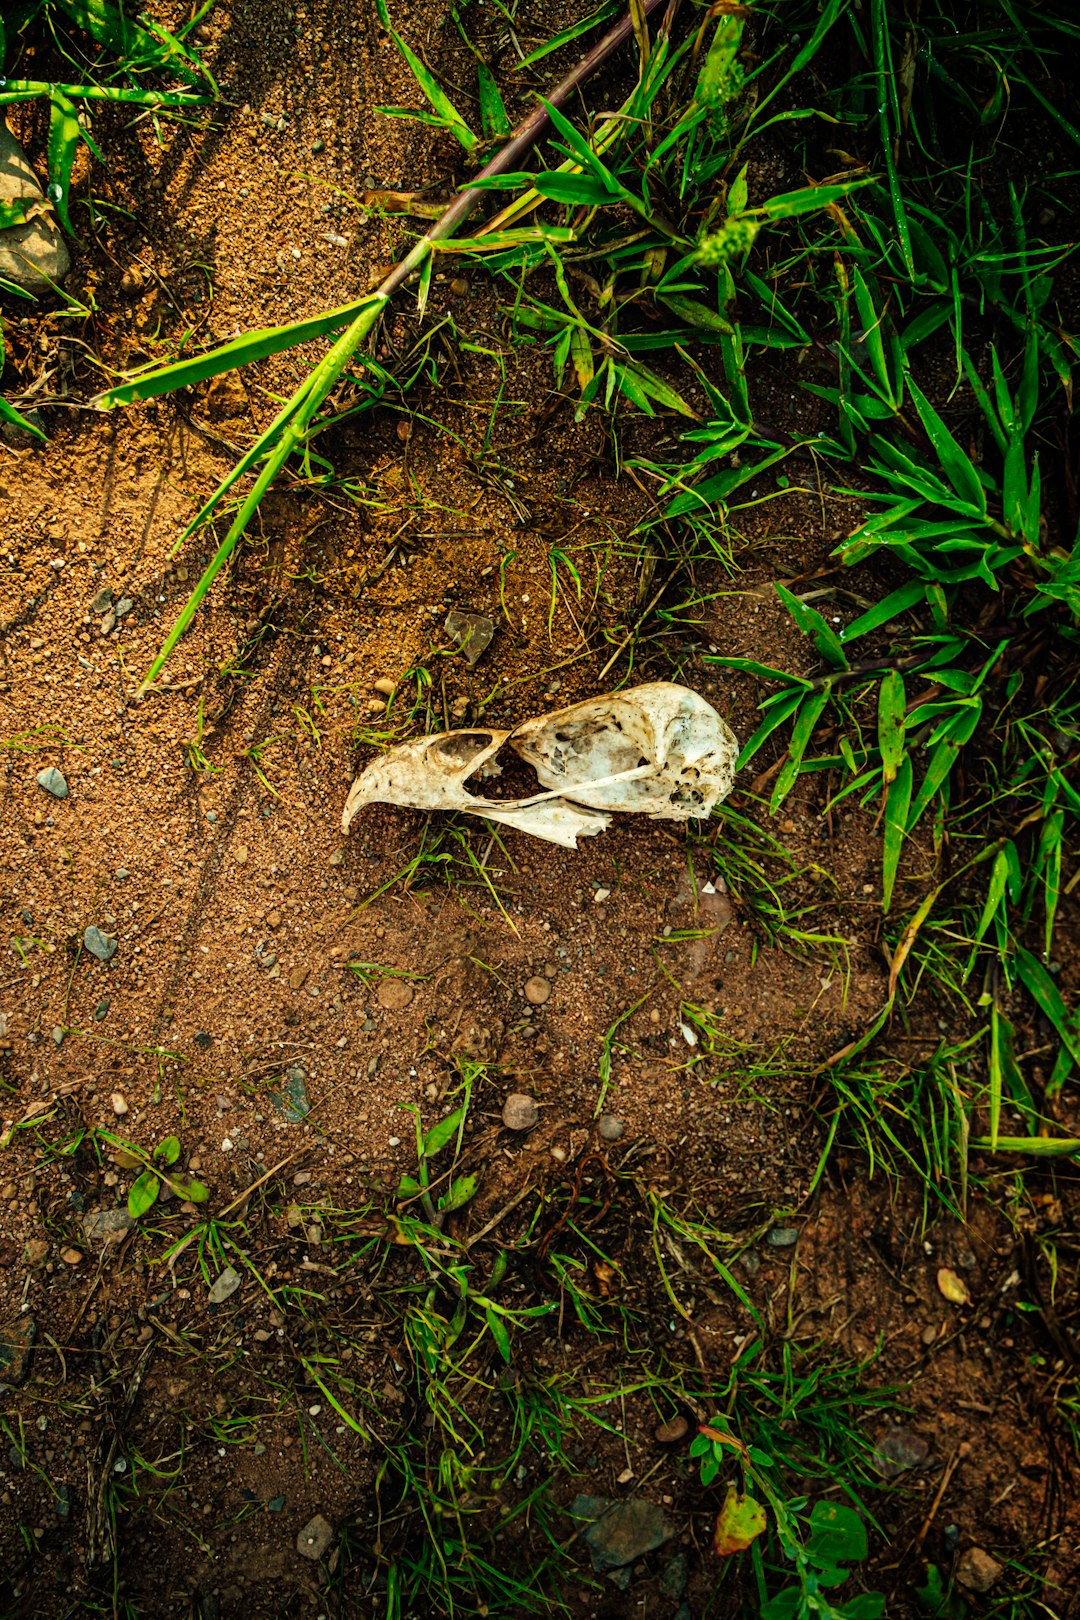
384,685
53,782
393,994
520,1112
119,1103
103,601
314,1538
977,1571
71,1257
783,1237
670,1433
108,623
99,944
610,1128
600,896
537,991
241,856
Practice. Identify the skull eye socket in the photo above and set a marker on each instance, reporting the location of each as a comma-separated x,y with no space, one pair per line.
463,747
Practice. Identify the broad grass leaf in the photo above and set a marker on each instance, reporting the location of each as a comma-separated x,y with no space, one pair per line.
897,808
143,1194
956,466
444,109
64,135
187,1187
494,119
811,623
1045,993
442,1133
892,705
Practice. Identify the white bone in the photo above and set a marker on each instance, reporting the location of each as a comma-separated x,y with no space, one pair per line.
658,749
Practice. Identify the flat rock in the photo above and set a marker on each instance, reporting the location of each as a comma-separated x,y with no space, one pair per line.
899,1450
315,1537
675,1577
394,994
226,1284
32,255
471,633
623,1530
610,1128
106,1226
16,1343
53,781
99,944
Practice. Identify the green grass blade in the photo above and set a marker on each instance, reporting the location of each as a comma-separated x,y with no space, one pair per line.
1047,997
64,135
892,707
443,107
897,809
239,351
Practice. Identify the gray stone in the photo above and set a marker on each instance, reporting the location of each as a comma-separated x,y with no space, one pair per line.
898,1450
58,1033
53,782
33,255
611,1128
99,944
227,1284
103,601
622,1531
124,605
471,632
16,1344
108,623
106,1226
314,1538
675,1577
783,1237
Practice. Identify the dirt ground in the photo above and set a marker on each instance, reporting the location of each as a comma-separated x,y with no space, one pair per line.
201,830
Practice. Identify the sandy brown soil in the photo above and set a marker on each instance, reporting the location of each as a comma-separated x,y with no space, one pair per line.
201,830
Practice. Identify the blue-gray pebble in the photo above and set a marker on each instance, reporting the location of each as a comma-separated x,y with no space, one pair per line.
53,782
99,944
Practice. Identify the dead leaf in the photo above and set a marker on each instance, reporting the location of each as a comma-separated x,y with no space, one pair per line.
740,1521
953,1287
